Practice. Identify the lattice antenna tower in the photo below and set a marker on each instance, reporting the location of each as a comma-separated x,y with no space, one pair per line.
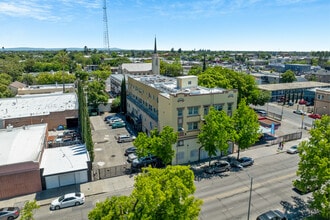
105,26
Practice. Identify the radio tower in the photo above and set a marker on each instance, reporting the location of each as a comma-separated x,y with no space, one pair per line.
105,33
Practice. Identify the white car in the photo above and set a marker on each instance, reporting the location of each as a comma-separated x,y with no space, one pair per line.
67,200
292,150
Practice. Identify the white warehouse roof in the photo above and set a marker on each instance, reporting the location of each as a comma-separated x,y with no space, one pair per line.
64,159
23,144
40,104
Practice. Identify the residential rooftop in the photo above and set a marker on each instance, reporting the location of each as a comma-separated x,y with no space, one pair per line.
38,104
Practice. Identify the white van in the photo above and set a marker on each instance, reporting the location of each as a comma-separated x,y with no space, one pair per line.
125,138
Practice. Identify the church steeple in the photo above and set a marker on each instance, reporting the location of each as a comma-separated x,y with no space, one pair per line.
155,48
155,61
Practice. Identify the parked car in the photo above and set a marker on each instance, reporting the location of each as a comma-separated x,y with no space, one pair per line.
299,112
290,103
118,125
272,215
246,161
130,150
107,118
302,102
144,161
314,116
309,104
292,150
9,213
125,138
111,122
112,119
261,112
131,157
218,166
67,200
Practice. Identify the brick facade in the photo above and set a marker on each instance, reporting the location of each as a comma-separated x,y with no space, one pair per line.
19,179
53,119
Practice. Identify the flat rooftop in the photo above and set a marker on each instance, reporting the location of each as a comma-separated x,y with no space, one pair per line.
38,104
21,144
64,159
169,85
293,85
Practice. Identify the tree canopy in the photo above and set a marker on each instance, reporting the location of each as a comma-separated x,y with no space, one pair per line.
288,76
314,166
158,144
216,132
229,79
28,210
246,126
157,194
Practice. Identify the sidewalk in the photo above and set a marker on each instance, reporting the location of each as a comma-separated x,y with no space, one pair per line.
45,197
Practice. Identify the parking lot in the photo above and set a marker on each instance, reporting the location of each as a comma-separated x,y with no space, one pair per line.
109,159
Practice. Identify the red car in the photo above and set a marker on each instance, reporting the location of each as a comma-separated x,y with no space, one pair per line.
315,116
302,102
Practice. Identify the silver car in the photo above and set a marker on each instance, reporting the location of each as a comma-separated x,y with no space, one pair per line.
67,200
218,166
292,150
9,213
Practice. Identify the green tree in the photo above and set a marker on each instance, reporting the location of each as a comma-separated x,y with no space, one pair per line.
123,101
288,77
158,144
195,70
158,193
28,210
246,126
229,79
216,132
63,58
314,166
96,94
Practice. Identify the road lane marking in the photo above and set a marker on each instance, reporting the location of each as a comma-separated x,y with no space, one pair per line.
245,188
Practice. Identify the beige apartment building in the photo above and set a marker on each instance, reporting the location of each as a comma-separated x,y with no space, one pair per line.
322,101
156,101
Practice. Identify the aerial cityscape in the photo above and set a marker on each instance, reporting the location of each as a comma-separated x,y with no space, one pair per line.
165,110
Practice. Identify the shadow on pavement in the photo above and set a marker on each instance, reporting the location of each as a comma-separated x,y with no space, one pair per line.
298,209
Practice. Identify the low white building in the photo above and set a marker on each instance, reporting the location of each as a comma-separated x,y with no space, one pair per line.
64,166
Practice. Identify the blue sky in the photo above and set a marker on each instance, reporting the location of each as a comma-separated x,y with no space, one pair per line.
273,25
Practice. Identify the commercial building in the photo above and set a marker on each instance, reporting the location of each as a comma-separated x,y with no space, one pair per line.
20,158
156,101
322,101
293,91
54,109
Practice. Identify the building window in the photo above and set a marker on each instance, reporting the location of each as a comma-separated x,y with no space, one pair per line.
180,156
218,107
194,154
180,112
206,110
189,82
180,143
192,126
193,110
230,106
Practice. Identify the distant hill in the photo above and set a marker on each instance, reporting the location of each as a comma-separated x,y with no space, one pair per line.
52,49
